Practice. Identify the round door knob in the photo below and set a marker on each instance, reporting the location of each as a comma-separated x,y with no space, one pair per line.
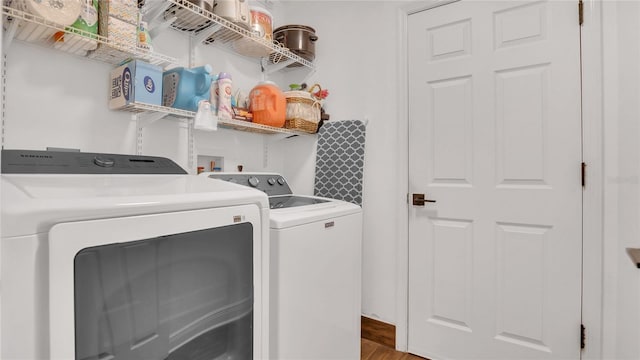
103,161
271,181
281,181
253,181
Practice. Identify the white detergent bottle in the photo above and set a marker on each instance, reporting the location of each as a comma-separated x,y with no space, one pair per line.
214,94
225,112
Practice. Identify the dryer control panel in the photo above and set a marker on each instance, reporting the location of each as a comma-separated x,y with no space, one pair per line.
270,183
74,162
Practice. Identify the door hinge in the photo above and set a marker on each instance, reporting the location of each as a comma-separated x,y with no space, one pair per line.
583,336
580,12
584,173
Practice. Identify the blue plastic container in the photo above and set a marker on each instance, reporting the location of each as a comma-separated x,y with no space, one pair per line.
184,88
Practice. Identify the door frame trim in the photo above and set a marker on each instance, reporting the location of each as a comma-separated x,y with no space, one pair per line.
402,195
593,202
402,169
593,193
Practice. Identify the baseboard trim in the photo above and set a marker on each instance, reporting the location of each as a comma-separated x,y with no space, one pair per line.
378,332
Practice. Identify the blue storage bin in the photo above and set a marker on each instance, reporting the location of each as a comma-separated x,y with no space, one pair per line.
135,81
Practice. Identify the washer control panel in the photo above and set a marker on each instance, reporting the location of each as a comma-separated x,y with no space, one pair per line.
75,162
271,184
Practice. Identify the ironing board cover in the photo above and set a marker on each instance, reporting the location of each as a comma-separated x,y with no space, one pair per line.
340,160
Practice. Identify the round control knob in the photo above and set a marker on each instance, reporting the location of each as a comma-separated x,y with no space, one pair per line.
281,180
103,161
271,181
253,181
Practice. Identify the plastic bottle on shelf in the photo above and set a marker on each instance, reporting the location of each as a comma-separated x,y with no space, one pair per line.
214,94
268,104
225,112
144,38
184,88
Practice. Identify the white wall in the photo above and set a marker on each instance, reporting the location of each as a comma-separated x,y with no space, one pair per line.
356,62
53,99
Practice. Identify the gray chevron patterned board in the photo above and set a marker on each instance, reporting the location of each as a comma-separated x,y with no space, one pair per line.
340,160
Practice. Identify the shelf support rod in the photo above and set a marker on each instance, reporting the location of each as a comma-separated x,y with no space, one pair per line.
309,75
4,96
270,69
191,142
192,52
9,34
160,27
139,134
265,151
279,137
154,12
191,145
206,33
147,118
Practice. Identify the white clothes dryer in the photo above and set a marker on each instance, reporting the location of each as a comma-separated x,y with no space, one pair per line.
315,280
128,257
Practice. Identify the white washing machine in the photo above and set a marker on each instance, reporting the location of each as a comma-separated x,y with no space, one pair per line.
107,256
315,280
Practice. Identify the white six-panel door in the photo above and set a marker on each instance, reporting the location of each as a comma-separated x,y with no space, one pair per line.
495,139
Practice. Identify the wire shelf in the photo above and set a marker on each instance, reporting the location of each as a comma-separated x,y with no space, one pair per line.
138,107
210,28
206,26
141,108
27,27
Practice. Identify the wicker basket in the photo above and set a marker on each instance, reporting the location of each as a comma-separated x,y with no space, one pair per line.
303,111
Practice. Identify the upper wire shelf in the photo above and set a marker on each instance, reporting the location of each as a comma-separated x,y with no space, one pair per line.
209,28
27,27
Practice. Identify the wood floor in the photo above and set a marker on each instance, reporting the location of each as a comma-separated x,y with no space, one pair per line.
373,351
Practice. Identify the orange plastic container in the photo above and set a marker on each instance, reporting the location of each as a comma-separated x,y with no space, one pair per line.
268,104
